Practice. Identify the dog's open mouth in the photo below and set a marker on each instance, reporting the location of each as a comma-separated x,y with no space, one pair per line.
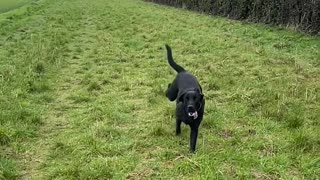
194,115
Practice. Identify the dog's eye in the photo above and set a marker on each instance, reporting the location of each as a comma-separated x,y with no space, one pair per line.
187,97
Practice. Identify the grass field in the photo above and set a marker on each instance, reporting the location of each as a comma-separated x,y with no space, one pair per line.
82,94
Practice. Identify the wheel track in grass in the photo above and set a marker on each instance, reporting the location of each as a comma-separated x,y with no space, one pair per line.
56,120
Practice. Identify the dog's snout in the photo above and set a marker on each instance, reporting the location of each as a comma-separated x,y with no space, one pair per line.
191,108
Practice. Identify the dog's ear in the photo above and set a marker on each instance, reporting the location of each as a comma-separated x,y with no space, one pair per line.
201,96
180,95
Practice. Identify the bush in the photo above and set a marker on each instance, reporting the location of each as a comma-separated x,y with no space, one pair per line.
301,14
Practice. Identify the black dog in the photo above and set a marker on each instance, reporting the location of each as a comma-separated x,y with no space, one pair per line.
187,92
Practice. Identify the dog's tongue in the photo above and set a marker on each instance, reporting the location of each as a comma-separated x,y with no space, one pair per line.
194,115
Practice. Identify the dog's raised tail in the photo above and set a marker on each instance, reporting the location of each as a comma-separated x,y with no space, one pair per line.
173,64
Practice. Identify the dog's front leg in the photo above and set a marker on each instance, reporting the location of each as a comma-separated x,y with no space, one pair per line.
179,116
193,138
178,126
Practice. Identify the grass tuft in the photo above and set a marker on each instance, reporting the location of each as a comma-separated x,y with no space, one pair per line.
159,131
94,86
4,137
39,68
304,142
7,169
37,86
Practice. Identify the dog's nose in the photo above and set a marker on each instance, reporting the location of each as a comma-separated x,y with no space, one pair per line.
191,108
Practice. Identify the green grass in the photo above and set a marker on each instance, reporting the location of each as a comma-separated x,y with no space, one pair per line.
82,94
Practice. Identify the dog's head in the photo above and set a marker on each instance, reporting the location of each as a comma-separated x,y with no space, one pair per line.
192,102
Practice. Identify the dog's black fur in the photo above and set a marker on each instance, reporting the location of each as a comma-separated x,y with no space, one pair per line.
187,92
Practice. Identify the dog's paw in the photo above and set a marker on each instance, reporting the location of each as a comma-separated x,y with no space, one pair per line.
178,132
